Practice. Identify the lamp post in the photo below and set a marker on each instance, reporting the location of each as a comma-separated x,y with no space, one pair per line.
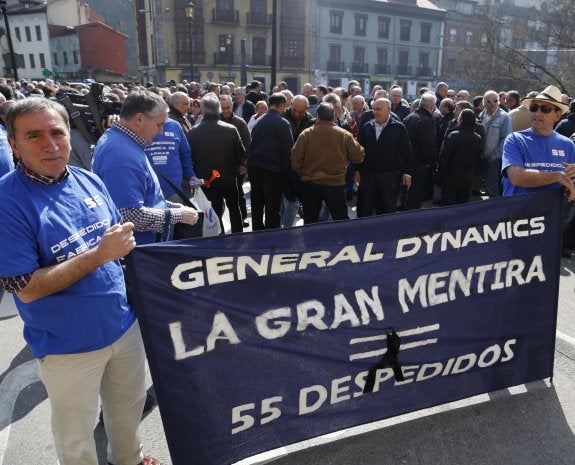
189,6
230,55
9,37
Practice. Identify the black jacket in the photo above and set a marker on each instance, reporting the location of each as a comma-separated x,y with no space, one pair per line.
272,141
216,146
248,109
297,127
458,159
391,152
421,128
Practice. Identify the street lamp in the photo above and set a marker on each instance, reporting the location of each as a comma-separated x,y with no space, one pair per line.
9,37
189,6
230,55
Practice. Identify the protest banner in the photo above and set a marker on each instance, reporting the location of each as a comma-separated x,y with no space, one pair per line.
260,340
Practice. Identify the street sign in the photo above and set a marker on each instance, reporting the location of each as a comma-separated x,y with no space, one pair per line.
46,72
210,75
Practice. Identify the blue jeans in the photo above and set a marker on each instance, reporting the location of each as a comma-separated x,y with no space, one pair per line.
491,173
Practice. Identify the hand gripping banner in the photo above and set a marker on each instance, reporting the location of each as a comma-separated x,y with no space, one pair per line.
260,340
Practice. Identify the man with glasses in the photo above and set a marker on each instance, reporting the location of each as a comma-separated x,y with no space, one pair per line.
497,126
539,158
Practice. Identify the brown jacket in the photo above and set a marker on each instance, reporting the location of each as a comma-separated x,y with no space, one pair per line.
322,152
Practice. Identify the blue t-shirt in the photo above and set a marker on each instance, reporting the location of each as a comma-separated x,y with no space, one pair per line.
170,155
529,150
132,183
42,225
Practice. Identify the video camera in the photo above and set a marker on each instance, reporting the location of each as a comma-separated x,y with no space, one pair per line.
88,113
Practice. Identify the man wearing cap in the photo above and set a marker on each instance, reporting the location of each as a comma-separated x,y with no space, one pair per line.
539,158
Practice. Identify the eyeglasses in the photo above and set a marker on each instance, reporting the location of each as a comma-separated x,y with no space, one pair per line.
544,108
494,100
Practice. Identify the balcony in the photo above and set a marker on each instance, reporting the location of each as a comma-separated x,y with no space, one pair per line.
382,69
359,68
259,59
292,62
335,66
223,59
403,70
259,19
225,16
424,72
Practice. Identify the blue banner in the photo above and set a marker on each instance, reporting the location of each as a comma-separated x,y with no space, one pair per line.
260,340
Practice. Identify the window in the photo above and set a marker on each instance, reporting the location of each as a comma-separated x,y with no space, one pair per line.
259,51
38,33
424,60
403,62
18,36
28,34
335,21
404,30
451,63
360,24
293,48
468,37
359,54
259,7
227,5
65,58
424,69
381,66
32,61
334,63
453,36
226,46
42,61
75,54
335,53
425,33
383,27
382,56
403,59
55,59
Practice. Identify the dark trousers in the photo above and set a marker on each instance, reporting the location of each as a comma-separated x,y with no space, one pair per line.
419,182
378,193
266,196
450,197
312,195
217,194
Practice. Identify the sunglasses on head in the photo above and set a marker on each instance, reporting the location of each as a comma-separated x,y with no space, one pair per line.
544,108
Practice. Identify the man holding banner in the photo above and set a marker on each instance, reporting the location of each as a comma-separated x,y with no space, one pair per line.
60,242
540,158
120,161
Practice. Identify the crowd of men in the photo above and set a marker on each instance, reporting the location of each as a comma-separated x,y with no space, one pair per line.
75,211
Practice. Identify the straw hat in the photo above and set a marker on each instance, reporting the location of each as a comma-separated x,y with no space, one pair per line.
552,95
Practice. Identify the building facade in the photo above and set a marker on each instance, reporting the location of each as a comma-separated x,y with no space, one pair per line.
378,42
63,39
231,40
